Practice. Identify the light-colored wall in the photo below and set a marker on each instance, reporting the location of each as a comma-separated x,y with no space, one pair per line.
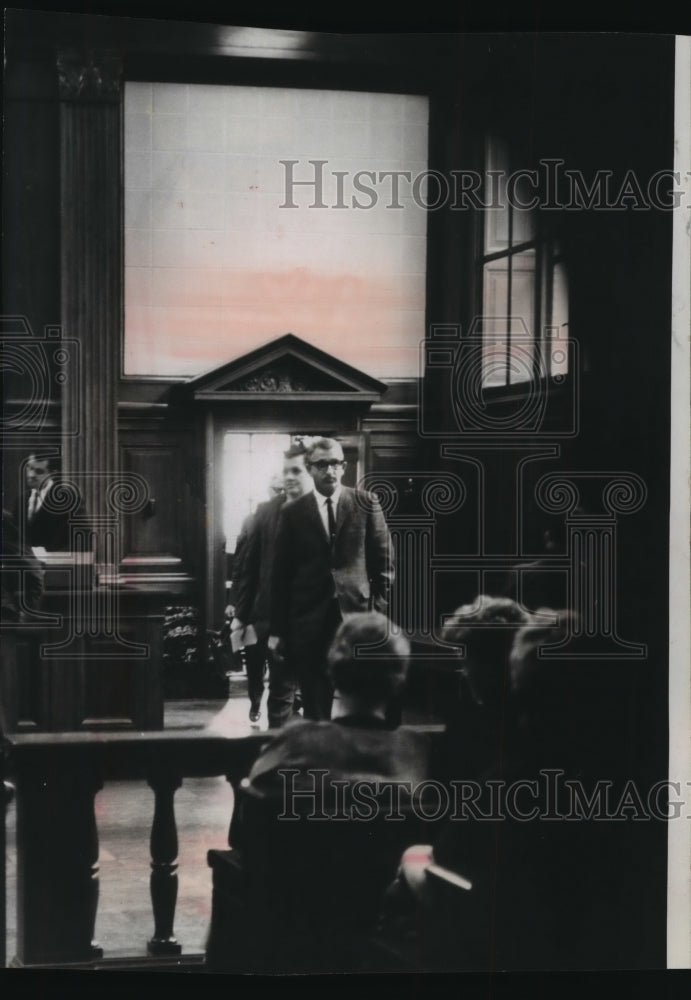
215,266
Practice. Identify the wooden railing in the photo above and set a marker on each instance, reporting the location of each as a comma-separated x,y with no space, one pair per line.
55,777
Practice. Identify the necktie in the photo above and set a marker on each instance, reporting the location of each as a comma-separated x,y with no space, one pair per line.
332,519
33,502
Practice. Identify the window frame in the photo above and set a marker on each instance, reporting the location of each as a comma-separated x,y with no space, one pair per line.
548,253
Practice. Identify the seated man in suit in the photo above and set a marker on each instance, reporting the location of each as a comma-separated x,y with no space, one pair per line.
333,557
46,518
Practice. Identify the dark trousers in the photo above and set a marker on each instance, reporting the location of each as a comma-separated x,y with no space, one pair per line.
310,657
282,683
255,660
282,691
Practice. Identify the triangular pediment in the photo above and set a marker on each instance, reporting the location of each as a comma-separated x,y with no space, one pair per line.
286,368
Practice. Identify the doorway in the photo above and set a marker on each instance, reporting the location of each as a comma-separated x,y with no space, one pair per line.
252,466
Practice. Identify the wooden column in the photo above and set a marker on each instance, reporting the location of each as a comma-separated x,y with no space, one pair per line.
91,263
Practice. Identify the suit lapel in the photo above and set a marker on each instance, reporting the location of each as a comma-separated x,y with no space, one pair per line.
314,517
344,509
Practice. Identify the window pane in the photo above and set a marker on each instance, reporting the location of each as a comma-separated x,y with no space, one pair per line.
495,319
497,215
559,355
495,291
522,316
522,193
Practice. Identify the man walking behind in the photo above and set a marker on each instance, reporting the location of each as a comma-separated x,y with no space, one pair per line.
253,595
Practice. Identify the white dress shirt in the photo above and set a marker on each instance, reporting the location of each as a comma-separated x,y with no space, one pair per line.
37,497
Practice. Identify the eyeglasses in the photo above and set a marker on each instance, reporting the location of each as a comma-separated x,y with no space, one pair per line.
323,465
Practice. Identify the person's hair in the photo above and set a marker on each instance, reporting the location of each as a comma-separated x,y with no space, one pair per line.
486,628
323,444
51,462
373,675
295,450
480,626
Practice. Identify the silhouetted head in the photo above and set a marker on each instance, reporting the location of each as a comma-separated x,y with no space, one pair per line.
368,661
486,630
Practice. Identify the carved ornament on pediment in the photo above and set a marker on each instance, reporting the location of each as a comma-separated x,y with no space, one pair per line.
89,76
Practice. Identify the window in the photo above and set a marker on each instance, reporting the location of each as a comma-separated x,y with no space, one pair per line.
217,263
523,320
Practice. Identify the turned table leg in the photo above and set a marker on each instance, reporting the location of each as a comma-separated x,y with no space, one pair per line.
164,877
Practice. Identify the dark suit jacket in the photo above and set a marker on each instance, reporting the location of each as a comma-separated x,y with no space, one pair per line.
239,559
252,588
355,748
307,575
49,528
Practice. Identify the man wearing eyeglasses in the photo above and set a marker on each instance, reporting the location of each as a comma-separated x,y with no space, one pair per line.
333,557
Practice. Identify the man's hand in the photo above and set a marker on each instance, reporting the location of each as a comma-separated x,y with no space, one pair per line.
236,625
275,646
414,864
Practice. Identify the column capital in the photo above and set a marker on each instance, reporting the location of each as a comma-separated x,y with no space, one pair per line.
89,76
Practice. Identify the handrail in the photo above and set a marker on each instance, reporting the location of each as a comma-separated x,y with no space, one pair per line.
56,777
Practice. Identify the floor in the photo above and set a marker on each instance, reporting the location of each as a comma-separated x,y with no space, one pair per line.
124,811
